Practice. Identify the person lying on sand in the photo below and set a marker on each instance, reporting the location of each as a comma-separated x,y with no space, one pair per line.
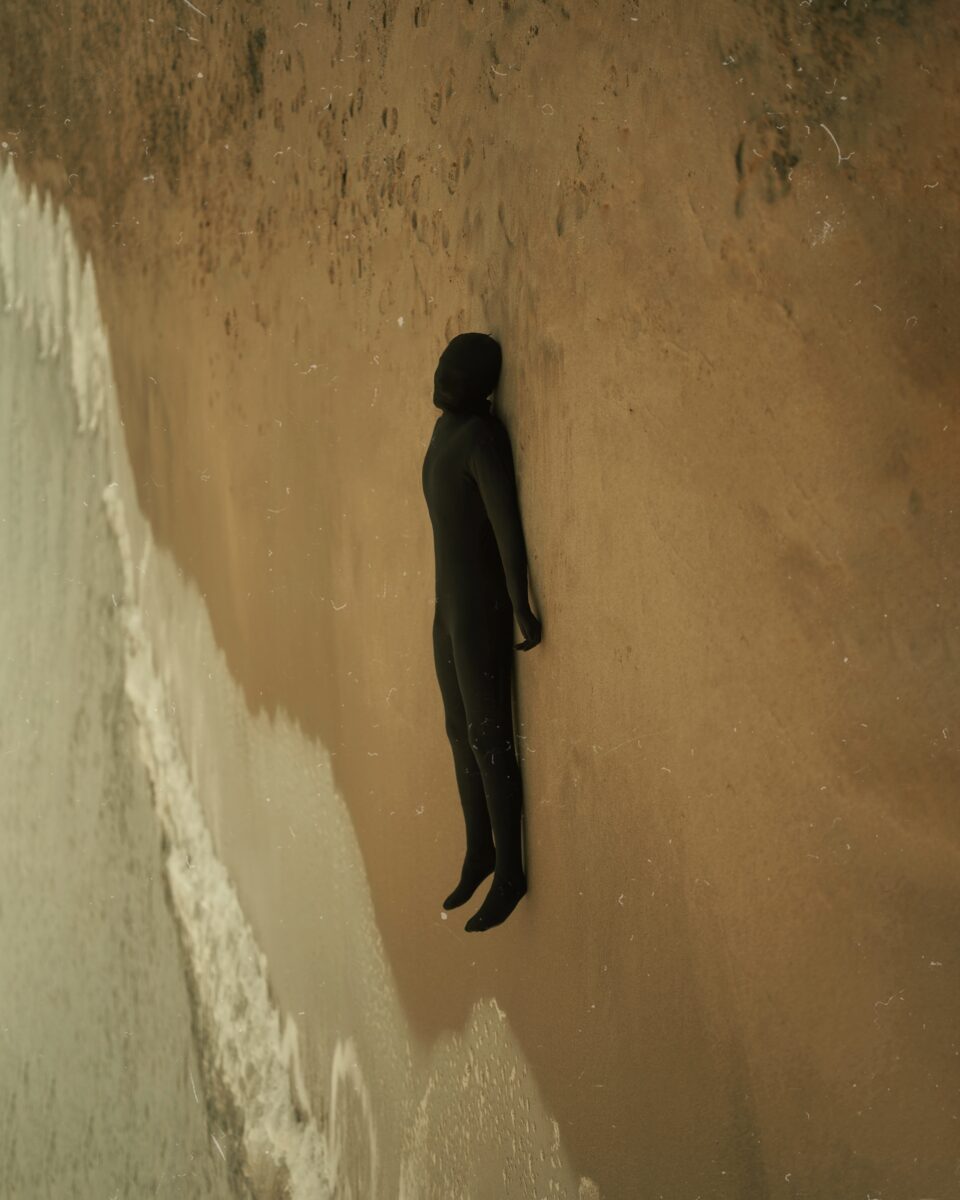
481,584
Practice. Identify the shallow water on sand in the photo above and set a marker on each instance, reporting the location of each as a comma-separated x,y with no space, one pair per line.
101,1092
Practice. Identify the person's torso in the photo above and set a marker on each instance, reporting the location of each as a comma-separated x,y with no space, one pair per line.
465,550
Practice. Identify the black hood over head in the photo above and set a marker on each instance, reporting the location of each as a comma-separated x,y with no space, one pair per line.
468,371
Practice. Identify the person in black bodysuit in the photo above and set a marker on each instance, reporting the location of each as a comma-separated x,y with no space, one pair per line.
481,582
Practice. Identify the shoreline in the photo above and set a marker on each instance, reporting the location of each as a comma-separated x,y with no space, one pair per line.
730,405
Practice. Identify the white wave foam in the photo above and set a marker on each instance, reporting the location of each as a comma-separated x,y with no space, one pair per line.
43,281
228,967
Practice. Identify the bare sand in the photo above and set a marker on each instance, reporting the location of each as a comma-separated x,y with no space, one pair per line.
720,251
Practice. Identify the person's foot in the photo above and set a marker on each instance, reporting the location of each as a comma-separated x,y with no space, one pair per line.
475,871
502,899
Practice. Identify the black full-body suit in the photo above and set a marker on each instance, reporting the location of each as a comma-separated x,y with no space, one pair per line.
481,580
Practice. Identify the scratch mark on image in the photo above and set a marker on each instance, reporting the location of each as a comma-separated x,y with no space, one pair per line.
840,157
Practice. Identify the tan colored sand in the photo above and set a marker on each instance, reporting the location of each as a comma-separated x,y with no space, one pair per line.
720,251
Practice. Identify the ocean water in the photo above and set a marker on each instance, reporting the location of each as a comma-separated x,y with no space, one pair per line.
144,1050
101,1086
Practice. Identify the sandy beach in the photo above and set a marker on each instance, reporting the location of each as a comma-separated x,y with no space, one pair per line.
719,250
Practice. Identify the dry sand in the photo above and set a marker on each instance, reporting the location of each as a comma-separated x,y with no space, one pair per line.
720,251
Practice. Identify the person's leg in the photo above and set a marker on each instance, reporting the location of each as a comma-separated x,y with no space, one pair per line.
478,860
482,648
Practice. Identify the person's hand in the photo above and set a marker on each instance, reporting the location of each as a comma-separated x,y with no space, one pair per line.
531,629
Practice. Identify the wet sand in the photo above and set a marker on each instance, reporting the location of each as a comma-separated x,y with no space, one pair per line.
720,253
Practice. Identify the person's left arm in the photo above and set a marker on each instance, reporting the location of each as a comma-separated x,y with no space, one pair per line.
490,464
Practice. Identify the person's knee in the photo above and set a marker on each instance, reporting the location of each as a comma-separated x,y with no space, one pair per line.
490,737
456,731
